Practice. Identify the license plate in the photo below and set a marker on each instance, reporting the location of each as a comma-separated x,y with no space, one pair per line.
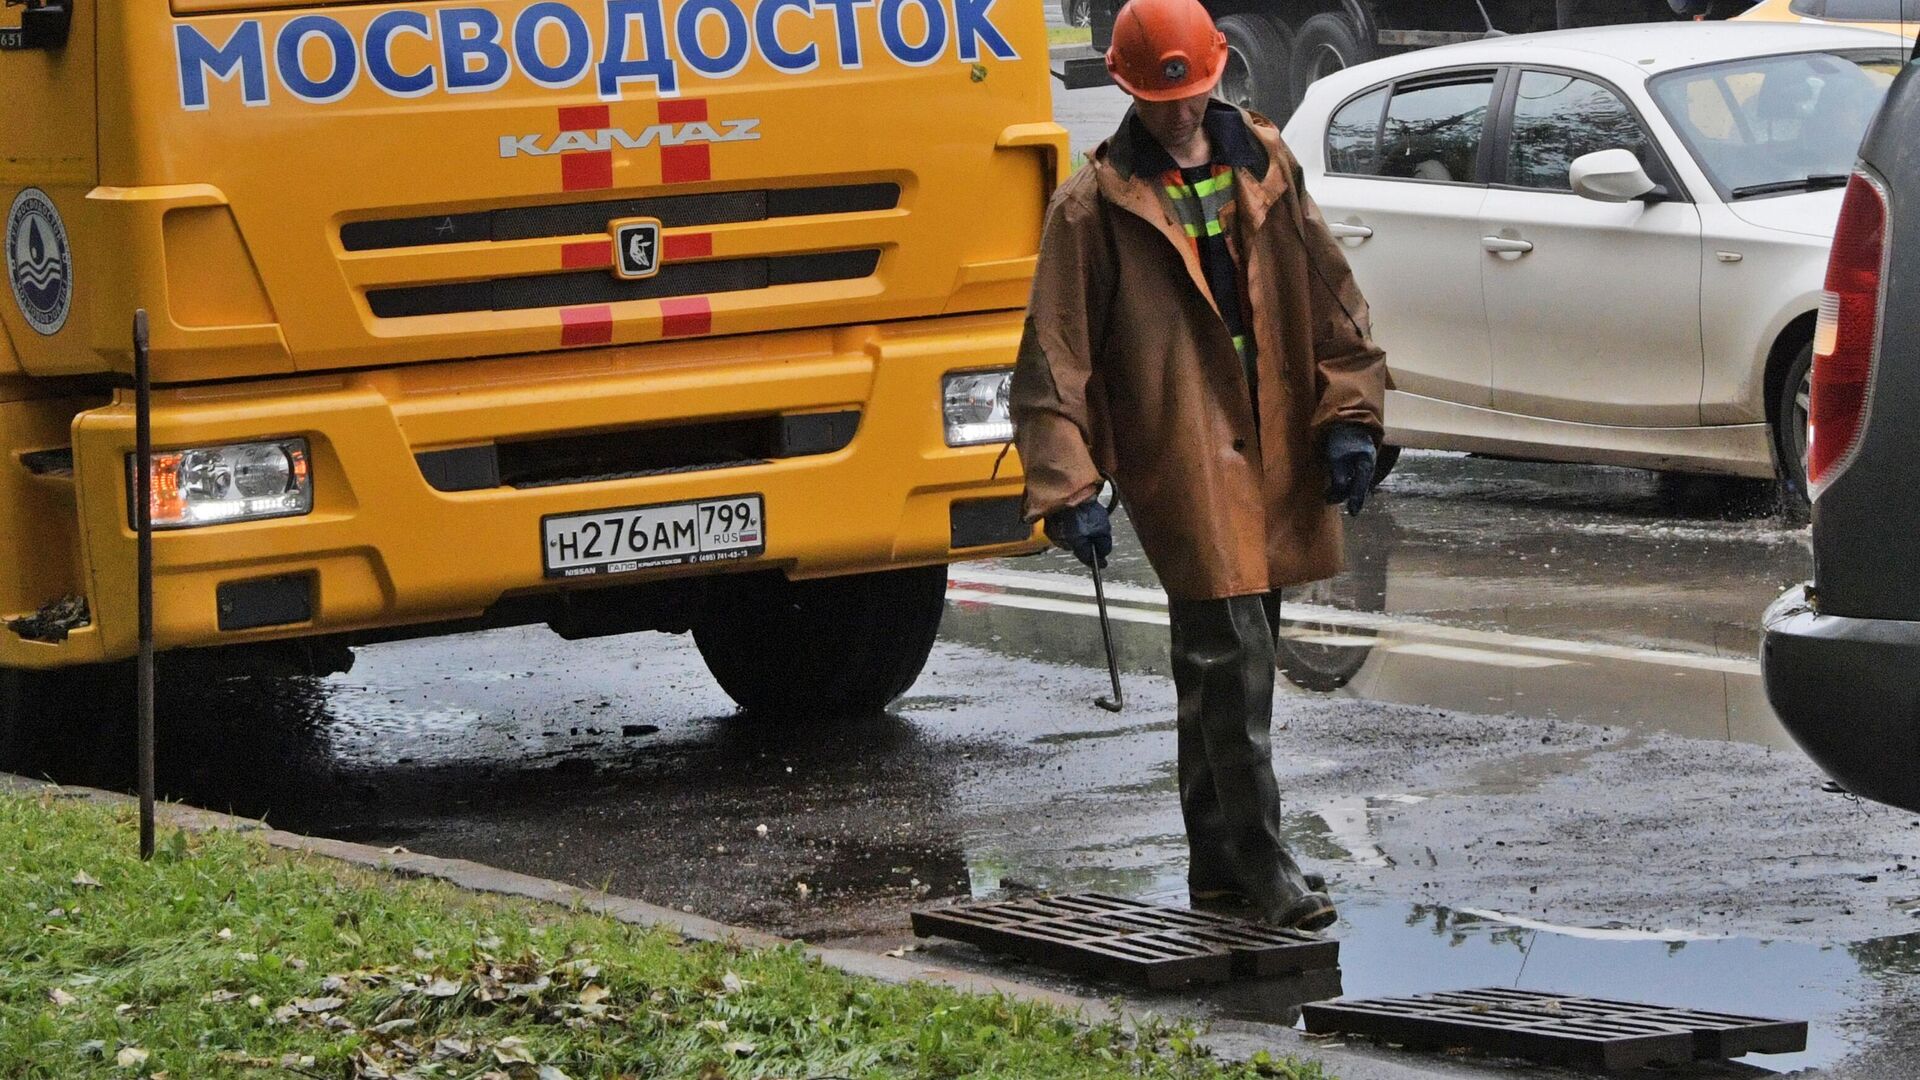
643,537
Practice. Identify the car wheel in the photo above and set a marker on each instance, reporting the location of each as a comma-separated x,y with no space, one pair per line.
1308,656
838,646
1383,463
1259,51
1077,12
1327,43
1791,423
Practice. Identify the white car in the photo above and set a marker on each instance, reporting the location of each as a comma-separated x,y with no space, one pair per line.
1602,245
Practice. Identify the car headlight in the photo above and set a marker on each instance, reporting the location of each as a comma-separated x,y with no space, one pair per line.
976,405
214,485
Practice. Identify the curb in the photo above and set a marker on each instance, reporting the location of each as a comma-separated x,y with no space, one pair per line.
1232,1040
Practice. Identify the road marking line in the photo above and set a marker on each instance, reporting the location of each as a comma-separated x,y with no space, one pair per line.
984,585
1065,607
1475,656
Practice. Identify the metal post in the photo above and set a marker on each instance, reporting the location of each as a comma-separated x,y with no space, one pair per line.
143,529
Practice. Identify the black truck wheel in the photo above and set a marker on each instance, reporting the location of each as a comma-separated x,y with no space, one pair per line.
1327,42
1259,53
14,741
836,646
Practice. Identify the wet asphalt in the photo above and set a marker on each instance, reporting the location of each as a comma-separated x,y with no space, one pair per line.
1534,755
1524,736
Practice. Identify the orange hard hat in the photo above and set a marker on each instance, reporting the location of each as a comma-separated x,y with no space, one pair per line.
1164,50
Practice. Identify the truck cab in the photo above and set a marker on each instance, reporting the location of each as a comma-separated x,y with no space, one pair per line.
611,315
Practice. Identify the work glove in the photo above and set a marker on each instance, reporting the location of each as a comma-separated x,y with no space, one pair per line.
1350,462
1084,530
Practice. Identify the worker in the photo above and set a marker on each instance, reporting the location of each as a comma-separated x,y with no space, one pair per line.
1195,335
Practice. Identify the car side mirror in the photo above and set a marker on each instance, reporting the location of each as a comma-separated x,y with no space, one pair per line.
1611,176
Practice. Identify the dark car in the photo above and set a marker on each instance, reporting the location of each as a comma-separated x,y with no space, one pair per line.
1842,653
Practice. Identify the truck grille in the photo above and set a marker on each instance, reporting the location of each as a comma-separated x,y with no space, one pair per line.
587,218
600,287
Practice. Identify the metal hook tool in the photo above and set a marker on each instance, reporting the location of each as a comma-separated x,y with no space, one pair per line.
1118,701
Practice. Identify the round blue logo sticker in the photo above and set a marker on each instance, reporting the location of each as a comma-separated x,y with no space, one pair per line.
39,263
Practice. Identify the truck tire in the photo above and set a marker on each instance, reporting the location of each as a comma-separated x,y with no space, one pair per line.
1259,62
14,742
1327,43
839,646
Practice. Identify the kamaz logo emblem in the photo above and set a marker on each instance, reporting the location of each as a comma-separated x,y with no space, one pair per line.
608,138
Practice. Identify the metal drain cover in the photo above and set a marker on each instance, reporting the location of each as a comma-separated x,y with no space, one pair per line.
1142,943
1558,1028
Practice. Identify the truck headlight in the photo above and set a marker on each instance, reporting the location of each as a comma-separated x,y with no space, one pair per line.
977,408
213,485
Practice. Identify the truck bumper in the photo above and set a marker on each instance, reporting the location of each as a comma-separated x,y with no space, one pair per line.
1844,688
384,547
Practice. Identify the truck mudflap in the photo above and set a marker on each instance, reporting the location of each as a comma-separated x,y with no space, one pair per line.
393,539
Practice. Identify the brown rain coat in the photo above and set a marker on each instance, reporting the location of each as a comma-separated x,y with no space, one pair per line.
1127,370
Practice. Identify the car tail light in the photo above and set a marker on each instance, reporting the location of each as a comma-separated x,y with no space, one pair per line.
1847,335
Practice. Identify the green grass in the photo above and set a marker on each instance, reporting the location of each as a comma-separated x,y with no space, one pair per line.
226,958
1069,35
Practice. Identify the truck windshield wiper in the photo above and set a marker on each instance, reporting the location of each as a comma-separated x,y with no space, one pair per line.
1816,182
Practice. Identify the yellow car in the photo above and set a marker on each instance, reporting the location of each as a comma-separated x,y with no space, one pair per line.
1894,16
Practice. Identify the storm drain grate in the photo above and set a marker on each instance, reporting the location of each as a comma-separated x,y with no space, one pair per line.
1558,1028
1113,937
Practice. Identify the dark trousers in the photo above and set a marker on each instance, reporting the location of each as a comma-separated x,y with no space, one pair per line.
1223,668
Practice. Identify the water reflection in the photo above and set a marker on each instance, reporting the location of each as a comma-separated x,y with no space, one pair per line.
1602,595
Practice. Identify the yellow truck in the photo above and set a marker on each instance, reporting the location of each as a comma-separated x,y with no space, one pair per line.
607,315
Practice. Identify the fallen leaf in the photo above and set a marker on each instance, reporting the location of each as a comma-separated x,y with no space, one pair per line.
246,957
93,1048
61,997
551,1072
84,880
225,934
529,989
717,1026
737,1048
130,1057
255,1001
405,1023
297,964
441,988
733,983
594,994
513,1051
219,997
318,1005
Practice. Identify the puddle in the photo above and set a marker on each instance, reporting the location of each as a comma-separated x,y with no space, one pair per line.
1390,948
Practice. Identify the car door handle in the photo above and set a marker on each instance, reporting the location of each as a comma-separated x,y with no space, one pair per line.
1503,245
1343,231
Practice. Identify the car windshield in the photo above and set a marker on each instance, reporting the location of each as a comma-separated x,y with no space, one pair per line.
1858,10
1775,124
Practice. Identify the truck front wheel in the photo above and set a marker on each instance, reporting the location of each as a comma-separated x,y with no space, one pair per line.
835,646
